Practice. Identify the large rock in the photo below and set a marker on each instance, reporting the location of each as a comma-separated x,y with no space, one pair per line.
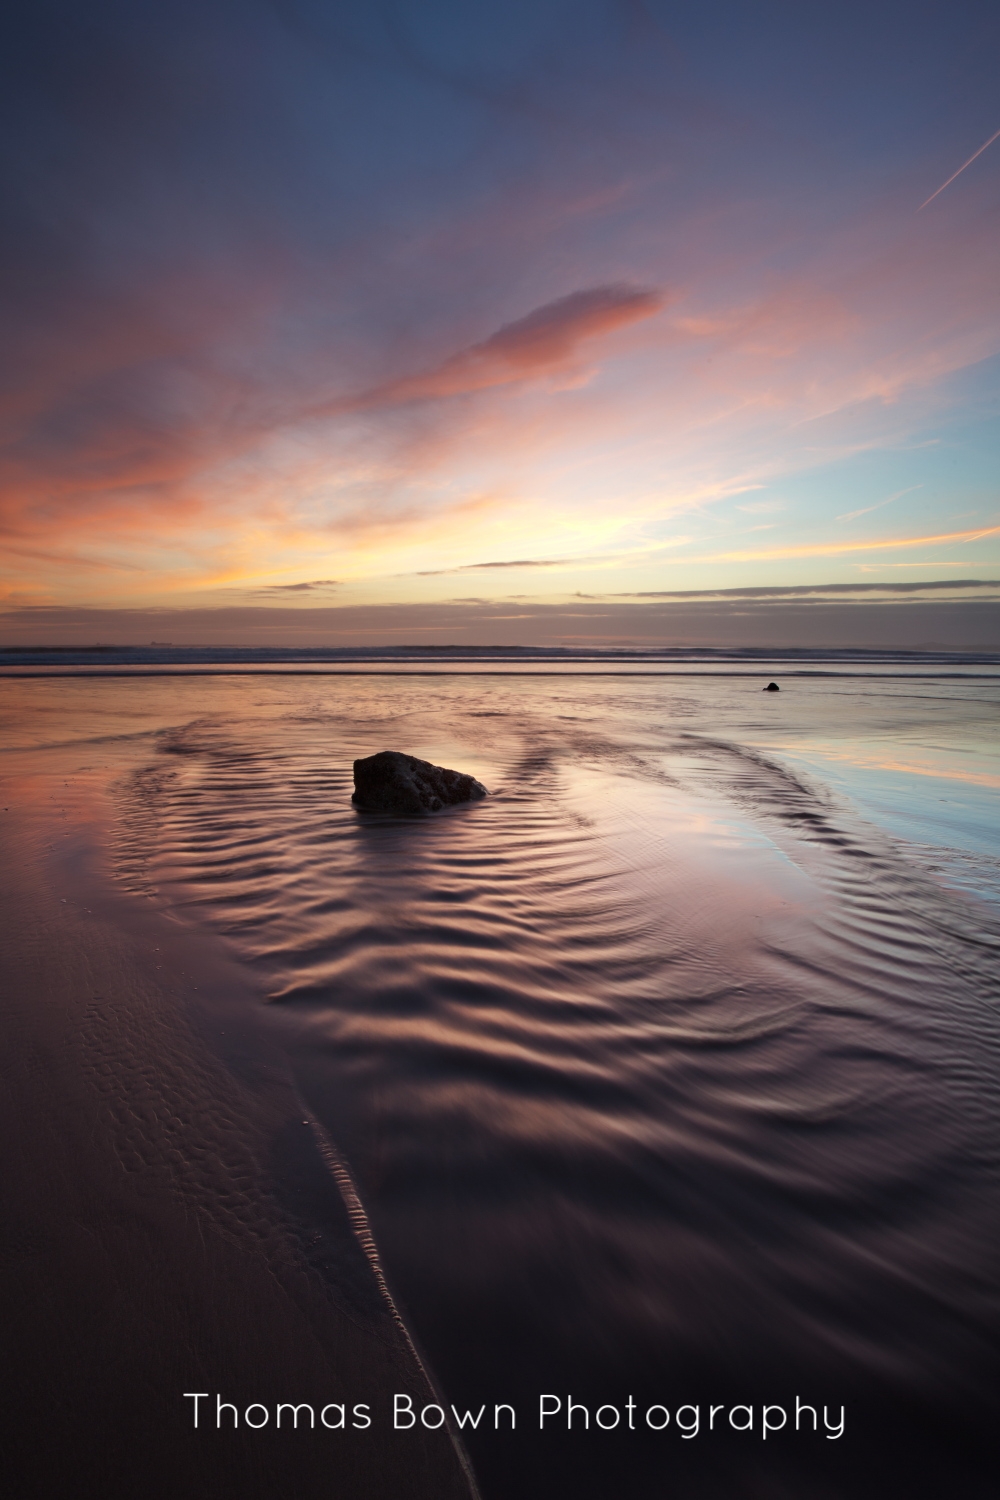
395,783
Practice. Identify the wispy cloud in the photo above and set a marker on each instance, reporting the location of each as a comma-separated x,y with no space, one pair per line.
762,507
545,341
315,585
852,515
832,549
523,562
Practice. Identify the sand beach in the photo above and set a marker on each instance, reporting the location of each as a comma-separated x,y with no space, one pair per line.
663,1075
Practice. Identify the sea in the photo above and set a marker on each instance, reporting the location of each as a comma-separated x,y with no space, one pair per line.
664,1078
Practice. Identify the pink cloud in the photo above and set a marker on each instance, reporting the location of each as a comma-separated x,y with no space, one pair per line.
544,342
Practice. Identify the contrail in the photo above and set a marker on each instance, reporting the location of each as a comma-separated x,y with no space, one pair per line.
961,169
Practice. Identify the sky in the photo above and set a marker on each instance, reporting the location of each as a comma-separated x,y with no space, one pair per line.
550,320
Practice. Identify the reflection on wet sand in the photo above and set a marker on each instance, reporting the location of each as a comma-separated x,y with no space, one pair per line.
662,1073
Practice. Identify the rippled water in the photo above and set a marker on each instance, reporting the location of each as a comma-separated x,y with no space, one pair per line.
669,1070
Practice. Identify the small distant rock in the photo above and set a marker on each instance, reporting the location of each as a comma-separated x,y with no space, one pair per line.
396,783
772,687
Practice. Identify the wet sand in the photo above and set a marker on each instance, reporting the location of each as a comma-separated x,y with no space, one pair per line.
667,1072
170,1225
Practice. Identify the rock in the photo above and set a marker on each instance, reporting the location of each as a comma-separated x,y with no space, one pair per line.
395,783
772,687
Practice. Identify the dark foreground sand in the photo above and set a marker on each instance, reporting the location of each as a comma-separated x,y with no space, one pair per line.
152,1243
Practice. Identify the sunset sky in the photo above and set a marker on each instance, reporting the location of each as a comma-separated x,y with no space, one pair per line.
432,318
